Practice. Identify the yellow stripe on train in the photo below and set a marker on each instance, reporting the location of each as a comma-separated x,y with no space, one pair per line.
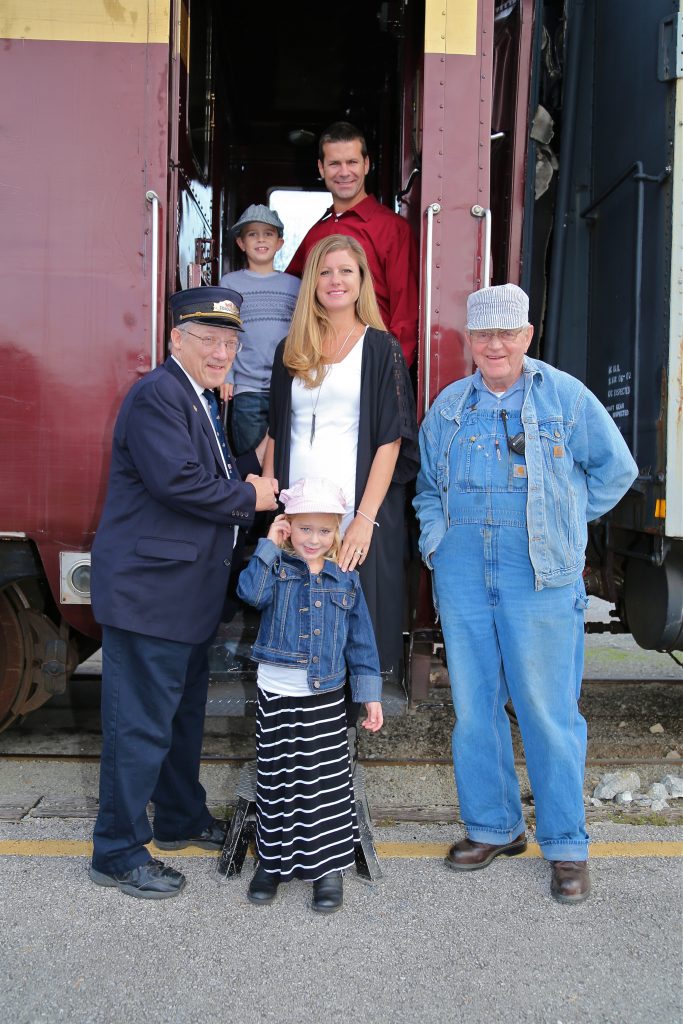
451,26
91,21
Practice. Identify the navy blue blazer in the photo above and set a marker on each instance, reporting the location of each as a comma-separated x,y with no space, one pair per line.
162,554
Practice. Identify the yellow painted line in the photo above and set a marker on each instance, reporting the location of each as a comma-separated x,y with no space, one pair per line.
80,848
404,851
90,21
648,849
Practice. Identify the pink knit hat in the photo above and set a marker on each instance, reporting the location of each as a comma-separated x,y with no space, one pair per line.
313,495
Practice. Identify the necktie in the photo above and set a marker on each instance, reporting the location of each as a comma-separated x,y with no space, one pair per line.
218,426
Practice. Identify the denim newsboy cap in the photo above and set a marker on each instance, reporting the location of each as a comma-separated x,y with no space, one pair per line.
258,214
503,306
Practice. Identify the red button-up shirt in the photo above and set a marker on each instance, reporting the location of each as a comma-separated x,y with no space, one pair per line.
391,250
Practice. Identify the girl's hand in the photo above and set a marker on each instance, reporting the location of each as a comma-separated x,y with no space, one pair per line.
356,543
280,530
375,717
226,390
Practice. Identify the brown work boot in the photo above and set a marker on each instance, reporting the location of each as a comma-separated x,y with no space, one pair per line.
470,856
570,882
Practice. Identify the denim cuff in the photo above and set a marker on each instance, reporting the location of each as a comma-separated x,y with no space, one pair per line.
267,551
495,836
564,849
429,544
366,688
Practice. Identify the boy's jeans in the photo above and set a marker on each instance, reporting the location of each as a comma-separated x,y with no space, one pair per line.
249,420
506,640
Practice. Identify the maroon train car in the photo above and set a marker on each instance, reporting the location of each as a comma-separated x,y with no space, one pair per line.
134,135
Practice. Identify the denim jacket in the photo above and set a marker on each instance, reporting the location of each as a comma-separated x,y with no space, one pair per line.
578,467
317,621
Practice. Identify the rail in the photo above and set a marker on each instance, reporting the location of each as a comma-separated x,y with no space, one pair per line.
431,212
153,198
485,214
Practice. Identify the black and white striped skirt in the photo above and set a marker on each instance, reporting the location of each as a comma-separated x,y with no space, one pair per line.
305,810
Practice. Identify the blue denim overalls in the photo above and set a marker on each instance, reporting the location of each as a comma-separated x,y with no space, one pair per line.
501,643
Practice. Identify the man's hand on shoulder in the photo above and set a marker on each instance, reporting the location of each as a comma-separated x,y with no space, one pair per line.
266,491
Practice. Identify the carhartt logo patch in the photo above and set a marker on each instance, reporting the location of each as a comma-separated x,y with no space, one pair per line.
518,470
558,451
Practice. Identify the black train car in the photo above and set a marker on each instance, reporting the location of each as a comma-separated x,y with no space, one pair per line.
612,310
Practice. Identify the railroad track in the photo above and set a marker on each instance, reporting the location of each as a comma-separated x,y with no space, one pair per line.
367,762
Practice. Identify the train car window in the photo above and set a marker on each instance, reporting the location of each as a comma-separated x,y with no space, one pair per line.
298,210
200,92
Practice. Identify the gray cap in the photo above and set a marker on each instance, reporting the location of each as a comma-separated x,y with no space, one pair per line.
503,306
258,214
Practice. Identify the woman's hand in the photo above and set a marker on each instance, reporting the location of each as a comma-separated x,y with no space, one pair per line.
280,530
356,543
375,717
260,449
268,464
226,390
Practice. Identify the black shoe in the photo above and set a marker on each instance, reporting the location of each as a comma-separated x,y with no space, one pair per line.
211,838
328,893
152,880
263,887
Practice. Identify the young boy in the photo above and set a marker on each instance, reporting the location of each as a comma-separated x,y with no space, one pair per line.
269,298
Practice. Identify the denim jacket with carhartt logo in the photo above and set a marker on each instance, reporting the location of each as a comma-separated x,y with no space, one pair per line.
317,621
578,467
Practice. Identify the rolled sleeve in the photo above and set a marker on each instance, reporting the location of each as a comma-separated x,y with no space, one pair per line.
366,688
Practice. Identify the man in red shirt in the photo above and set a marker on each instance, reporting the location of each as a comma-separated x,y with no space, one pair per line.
387,239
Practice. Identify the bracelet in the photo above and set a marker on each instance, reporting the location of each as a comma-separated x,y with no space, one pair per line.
373,521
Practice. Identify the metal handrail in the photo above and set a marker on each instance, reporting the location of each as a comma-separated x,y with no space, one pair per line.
153,198
485,214
431,212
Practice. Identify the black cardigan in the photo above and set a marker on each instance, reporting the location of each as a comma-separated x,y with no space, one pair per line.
387,411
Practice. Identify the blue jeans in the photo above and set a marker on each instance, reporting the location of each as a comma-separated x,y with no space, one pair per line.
249,420
506,640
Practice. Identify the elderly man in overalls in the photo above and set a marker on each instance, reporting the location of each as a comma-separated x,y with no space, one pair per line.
516,460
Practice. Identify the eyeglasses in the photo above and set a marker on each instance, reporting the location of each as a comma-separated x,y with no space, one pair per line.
516,444
482,337
209,344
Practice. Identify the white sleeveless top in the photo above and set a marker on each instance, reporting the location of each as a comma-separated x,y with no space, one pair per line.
332,453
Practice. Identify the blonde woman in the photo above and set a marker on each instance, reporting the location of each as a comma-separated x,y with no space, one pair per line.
342,407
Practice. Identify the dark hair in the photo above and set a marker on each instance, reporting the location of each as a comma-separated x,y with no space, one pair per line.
341,131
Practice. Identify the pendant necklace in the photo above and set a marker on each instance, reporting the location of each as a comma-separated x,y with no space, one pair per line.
332,362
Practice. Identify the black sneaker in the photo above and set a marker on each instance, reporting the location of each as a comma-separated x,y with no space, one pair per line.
152,880
211,838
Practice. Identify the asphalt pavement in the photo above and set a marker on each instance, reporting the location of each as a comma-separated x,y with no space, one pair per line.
423,946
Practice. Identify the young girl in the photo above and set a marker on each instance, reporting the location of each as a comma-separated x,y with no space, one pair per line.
314,626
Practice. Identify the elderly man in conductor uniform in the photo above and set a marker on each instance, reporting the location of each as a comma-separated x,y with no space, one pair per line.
160,567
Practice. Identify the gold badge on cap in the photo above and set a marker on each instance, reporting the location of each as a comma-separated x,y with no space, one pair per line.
225,306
